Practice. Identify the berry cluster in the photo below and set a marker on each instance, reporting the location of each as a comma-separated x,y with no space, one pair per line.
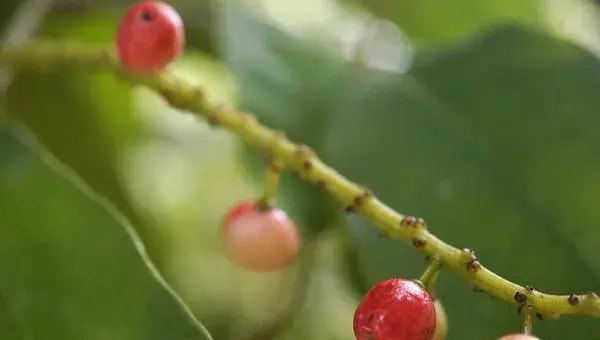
261,237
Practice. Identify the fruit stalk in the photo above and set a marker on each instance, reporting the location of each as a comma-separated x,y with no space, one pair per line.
528,321
270,185
58,56
430,274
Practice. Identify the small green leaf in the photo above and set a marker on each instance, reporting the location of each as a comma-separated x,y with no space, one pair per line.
493,144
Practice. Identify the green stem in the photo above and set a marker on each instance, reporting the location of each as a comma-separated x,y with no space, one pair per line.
270,184
58,56
528,320
429,277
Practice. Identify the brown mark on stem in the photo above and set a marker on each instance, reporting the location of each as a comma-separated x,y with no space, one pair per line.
359,200
573,300
418,243
471,262
321,184
413,222
520,297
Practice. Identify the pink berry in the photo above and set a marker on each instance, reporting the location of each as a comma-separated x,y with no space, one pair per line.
518,337
259,240
149,37
395,309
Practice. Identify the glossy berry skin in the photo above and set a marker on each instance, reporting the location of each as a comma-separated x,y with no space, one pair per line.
395,309
260,241
518,337
149,37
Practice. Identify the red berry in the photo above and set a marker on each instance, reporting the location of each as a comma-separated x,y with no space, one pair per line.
259,240
518,337
149,37
395,309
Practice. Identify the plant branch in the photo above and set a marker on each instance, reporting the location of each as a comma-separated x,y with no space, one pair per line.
301,285
56,56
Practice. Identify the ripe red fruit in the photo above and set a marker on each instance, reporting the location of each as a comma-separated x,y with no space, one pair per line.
149,37
259,240
395,309
518,337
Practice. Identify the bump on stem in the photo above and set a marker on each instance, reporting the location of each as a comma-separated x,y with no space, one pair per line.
471,262
359,201
413,222
418,243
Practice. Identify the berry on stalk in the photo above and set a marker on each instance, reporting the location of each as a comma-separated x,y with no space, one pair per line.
149,37
395,309
258,239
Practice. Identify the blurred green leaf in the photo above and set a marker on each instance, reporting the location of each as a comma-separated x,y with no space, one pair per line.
69,270
493,143
441,21
9,151
418,141
286,83
7,8
85,120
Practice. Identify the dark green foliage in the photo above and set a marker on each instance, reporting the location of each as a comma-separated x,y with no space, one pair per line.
493,144
492,139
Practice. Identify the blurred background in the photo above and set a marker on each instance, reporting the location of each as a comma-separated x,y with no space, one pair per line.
480,116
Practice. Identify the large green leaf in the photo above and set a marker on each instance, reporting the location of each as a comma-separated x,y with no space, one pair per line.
286,83
493,143
85,120
7,10
69,269
433,22
472,139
